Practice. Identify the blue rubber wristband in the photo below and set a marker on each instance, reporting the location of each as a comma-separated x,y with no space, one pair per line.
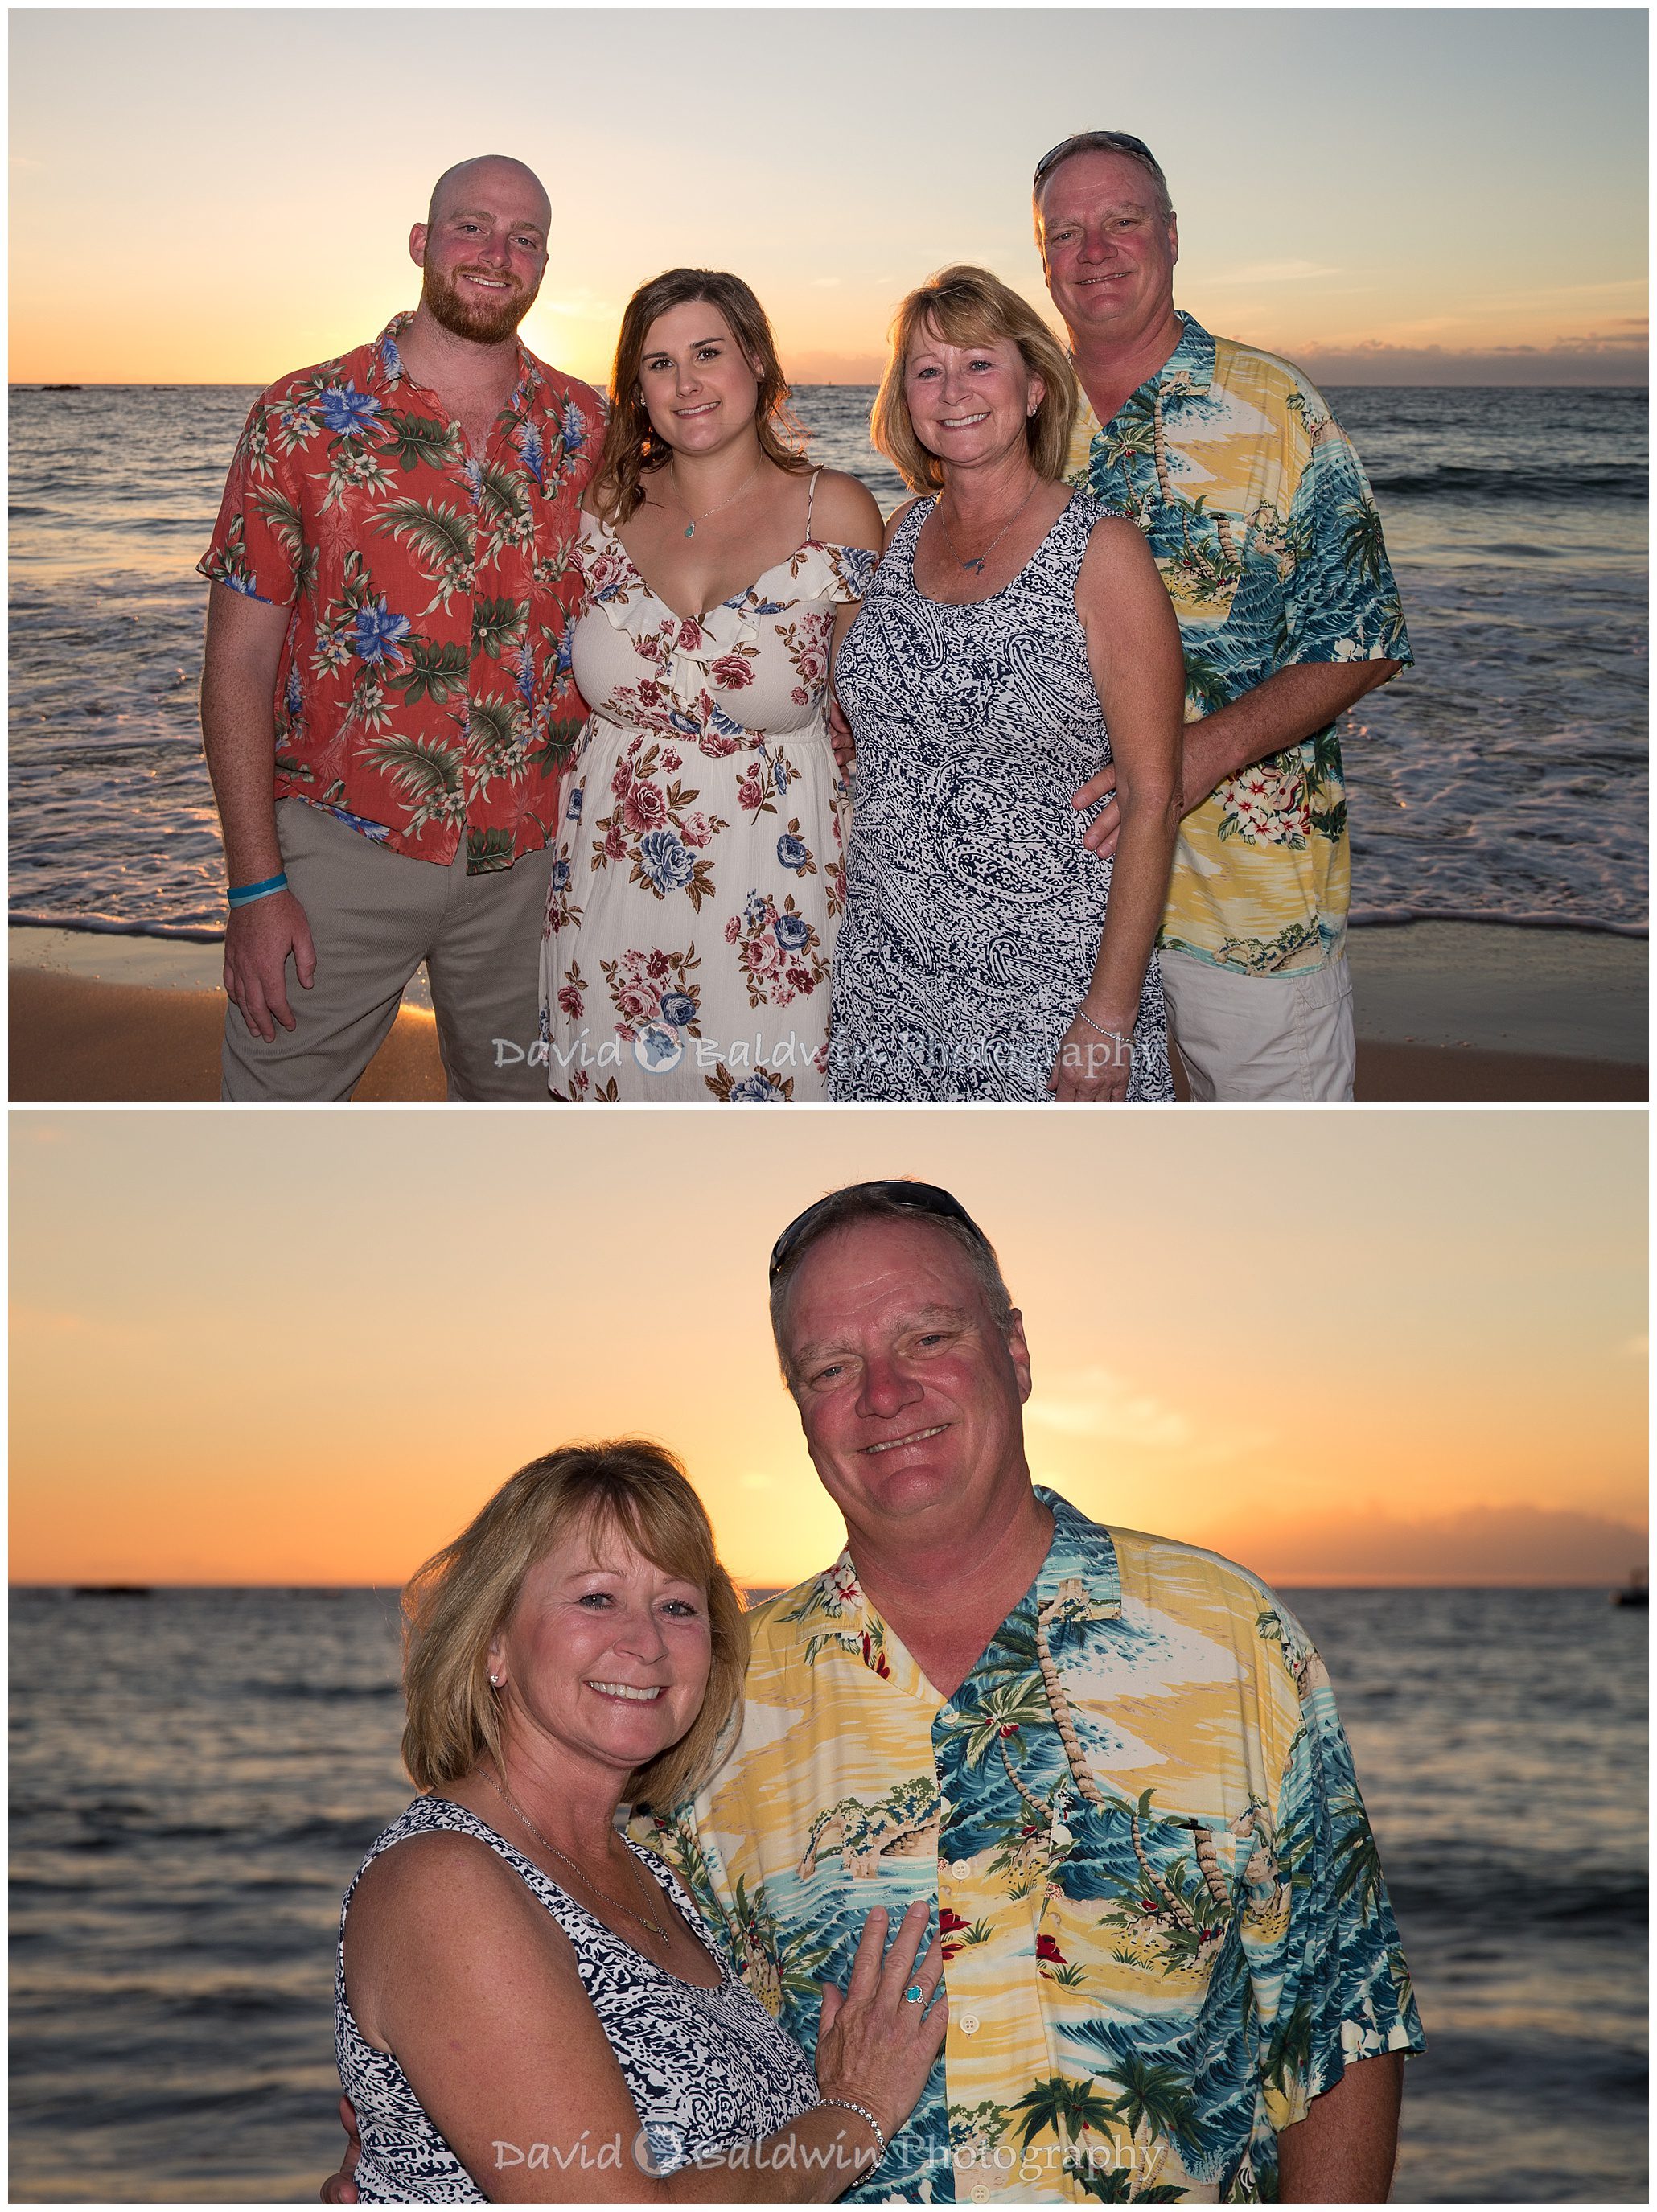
245,893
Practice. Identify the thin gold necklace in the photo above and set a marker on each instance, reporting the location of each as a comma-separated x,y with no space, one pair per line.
690,526
977,565
547,1845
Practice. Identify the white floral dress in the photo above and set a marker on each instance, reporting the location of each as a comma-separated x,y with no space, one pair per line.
698,878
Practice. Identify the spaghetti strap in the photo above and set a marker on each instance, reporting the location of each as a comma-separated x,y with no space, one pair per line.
811,500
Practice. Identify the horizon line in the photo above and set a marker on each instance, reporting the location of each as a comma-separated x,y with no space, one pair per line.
1642,383
117,1588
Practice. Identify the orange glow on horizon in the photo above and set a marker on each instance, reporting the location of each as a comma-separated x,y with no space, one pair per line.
1411,1378
1443,240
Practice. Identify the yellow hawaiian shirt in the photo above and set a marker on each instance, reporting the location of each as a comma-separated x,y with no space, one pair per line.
1269,541
1138,1828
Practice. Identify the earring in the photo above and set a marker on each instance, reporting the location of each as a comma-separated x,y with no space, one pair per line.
495,1681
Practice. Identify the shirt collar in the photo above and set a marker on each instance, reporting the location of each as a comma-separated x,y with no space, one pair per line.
1081,1551
1192,359
388,363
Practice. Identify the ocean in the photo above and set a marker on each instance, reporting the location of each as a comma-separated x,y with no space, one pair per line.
195,1775
1504,779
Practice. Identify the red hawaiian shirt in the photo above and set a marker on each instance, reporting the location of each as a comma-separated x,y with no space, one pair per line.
424,691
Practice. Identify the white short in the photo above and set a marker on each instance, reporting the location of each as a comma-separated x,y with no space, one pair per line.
1261,1037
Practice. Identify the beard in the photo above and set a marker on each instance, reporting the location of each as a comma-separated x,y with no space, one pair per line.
484,326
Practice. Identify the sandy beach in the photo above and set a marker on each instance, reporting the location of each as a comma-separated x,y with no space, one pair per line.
1446,1011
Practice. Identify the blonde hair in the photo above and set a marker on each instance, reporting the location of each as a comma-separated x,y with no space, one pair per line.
969,306
456,1602
632,451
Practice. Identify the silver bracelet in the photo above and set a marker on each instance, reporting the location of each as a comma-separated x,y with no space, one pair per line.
850,2105
1115,1035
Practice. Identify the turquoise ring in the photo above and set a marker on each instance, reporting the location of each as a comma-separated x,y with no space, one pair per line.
913,1994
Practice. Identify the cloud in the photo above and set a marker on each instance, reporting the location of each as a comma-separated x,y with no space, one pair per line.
1478,1544
46,1321
1614,357
1099,1404
1274,273
1091,1402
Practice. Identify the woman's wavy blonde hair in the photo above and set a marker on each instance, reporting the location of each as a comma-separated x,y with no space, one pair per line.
632,452
965,306
454,1605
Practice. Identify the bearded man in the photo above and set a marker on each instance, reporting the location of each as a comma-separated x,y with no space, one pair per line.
392,591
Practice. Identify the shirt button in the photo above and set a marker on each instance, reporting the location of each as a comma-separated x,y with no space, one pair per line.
970,2023
960,1868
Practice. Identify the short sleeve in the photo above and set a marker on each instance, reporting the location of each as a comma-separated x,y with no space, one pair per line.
258,540
1330,1982
1341,601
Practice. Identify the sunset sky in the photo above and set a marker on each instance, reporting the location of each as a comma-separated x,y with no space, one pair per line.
1388,196
297,1347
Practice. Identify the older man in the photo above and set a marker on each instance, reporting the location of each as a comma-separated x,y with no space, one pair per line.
1110,1763
1268,540
386,700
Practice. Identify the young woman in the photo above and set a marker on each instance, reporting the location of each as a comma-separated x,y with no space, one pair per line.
698,882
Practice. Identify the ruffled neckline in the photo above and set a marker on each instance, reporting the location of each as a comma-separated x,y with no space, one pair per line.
816,569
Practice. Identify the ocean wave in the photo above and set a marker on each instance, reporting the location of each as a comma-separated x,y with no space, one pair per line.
103,925
1394,917
1540,486
1488,1891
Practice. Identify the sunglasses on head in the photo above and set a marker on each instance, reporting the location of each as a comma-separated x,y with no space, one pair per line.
922,1197
1109,141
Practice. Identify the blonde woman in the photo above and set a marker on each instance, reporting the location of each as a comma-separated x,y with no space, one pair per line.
697,884
529,2008
1015,637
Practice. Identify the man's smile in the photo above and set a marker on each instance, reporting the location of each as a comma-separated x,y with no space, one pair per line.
916,1437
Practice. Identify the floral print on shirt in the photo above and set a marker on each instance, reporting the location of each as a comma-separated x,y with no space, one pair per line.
423,696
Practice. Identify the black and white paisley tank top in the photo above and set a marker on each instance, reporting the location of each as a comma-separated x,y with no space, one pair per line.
707,2069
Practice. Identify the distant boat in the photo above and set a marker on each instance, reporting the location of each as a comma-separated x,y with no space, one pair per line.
1633,1590
111,1589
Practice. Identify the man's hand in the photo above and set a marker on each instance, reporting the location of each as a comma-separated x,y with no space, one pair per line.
840,737
339,2188
258,939
1100,834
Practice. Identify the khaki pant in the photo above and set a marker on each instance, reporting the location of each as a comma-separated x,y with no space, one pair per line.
374,916
1261,1037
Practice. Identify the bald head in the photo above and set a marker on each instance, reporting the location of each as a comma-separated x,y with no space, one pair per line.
490,175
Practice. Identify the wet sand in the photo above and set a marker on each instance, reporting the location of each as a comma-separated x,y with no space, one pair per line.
1446,1012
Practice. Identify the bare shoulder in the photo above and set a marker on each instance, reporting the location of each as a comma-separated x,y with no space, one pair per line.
844,511
442,1881
1116,544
